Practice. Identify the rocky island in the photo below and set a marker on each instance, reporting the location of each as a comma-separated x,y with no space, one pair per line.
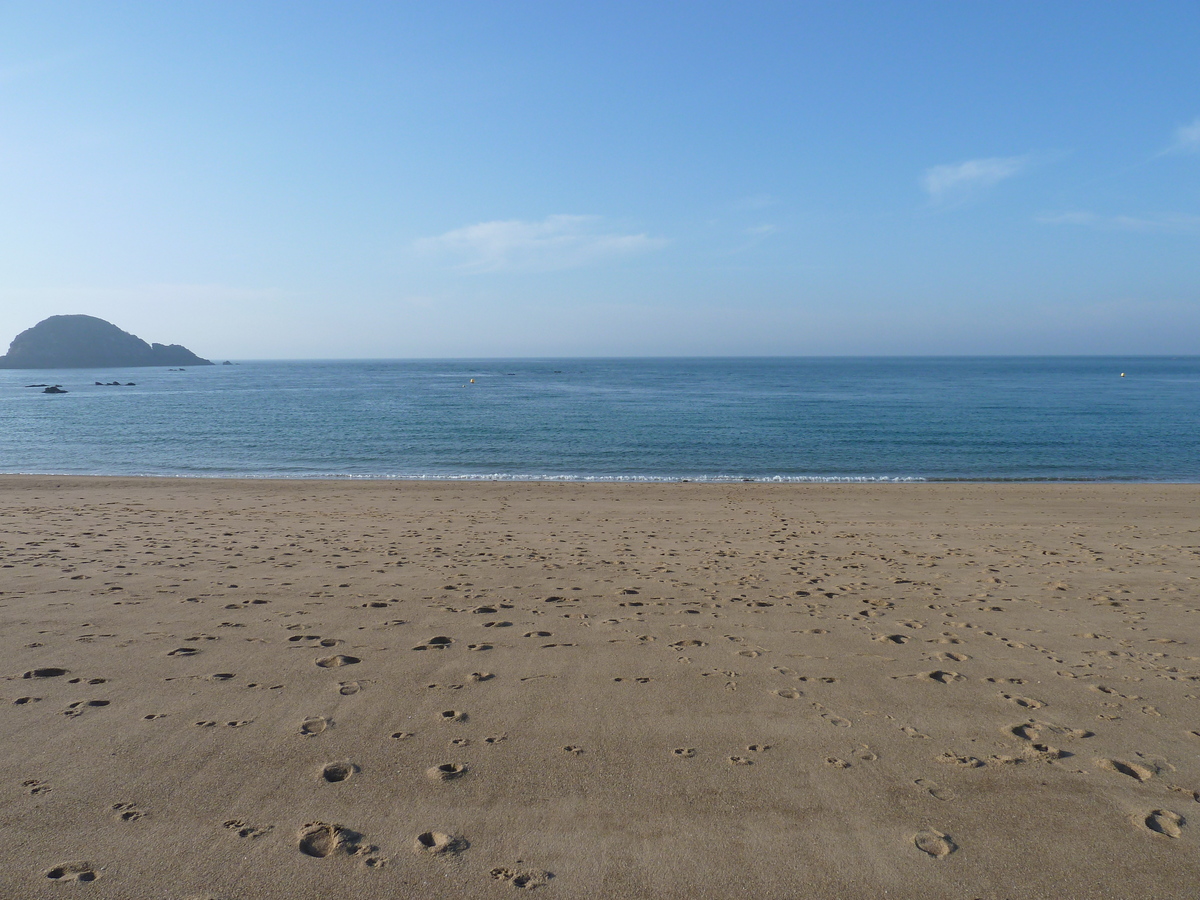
85,342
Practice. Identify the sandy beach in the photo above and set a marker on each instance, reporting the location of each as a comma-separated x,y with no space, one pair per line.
273,689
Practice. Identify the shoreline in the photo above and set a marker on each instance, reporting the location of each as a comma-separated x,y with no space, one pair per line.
225,688
619,479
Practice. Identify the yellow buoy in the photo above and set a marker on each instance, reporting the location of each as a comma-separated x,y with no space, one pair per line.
473,380
1122,374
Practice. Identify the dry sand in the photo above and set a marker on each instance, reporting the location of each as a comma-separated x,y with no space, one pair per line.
232,689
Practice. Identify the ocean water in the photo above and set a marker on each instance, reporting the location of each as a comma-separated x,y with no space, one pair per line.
818,419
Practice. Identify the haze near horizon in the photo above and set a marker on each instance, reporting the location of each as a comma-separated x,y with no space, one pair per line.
371,180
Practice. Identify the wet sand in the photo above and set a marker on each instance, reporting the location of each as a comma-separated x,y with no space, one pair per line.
265,689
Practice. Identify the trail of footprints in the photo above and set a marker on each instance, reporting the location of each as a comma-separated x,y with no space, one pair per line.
1036,740
323,840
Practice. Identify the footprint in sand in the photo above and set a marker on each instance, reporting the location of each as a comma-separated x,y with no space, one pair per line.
935,790
684,752
438,842
1187,792
73,871
522,878
320,839
1024,702
446,771
1165,822
127,812
33,786
244,830
315,725
440,642
80,706
47,672
1046,752
453,715
349,688
1032,731
935,844
953,759
913,733
1028,731
184,651
835,762
943,677
788,694
334,662
573,750
1133,770
338,771
740,761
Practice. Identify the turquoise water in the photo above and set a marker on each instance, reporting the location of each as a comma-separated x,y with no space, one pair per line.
619,419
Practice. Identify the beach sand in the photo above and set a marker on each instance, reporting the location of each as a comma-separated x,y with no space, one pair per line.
269,689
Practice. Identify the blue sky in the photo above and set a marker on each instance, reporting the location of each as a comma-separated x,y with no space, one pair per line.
297,180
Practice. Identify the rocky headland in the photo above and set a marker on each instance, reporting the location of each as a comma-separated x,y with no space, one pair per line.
86,342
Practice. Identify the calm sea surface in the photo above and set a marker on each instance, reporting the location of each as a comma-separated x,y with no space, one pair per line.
619,419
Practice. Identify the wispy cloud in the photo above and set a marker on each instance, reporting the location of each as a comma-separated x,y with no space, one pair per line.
1166,223
556,242
1187,139
956,182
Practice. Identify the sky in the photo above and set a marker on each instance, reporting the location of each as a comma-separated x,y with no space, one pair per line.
337,180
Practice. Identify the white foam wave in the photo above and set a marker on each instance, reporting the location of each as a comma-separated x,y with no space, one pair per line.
504,476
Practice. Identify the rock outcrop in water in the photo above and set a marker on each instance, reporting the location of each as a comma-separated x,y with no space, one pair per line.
85,342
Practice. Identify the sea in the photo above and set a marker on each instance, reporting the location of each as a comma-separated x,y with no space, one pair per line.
1092,419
